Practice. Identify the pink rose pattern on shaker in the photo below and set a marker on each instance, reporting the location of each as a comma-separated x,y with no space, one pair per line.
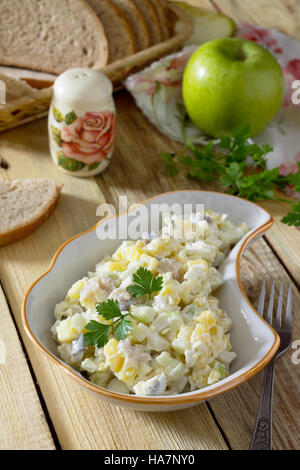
87,139
90,138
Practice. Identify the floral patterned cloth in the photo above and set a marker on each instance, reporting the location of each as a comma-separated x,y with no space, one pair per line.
157,91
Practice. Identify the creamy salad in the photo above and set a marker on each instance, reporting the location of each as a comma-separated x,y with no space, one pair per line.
179,337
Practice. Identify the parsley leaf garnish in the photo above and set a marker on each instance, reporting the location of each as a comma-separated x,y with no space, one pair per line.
293,217
294,179
122,329
230,161
97,334
109,309
144,283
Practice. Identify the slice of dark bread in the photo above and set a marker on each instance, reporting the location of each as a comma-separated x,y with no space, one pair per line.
137,22
149,14
51,36
24,206
162,18
121,41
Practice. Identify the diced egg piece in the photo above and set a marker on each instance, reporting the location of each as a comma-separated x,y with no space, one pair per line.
227,357
121,252
161,247
114,358
200,249
91,293
154,386
169,296
201,263
149,262
74,291
125,359
71,328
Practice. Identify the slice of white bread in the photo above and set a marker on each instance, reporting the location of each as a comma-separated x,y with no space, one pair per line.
24,206
51,36
15,89
137,22
121,41
151,19
17,73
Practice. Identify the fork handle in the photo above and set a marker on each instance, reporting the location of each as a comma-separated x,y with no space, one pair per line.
262,434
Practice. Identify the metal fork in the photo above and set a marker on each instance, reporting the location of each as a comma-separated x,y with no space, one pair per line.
262,434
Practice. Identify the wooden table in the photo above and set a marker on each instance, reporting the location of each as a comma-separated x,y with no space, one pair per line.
40,408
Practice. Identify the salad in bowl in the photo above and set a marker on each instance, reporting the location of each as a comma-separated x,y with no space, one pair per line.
160,321
146,320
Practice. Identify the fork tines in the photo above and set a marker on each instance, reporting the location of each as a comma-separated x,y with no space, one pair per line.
279,318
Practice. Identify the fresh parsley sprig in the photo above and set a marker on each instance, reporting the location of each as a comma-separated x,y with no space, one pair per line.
293,217
230,161
144,283
97,333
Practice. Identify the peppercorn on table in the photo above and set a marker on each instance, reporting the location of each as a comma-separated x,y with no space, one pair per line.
41,408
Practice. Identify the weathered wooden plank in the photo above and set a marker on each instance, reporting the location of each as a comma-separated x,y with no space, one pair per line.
80,419
284,240
22,421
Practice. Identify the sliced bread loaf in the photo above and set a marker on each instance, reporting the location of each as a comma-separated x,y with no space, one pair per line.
24,205
151,19
51,36
137,22
162,18
121,41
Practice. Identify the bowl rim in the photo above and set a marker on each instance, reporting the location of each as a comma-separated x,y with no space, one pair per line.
182,399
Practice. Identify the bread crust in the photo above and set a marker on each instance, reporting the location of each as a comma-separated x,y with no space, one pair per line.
137,22
151,19
111,16
24,230
162,18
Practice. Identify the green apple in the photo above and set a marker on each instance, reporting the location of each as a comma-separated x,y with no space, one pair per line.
207,25
229,82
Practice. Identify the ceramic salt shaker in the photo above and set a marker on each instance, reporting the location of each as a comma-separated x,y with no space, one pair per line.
82,122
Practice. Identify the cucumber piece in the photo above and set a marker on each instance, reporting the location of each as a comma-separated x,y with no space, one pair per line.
143,313
207,25
220,367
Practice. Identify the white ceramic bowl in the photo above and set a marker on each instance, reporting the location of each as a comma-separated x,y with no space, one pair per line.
254,341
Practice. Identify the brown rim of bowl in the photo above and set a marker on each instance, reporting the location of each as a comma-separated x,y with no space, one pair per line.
196,396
